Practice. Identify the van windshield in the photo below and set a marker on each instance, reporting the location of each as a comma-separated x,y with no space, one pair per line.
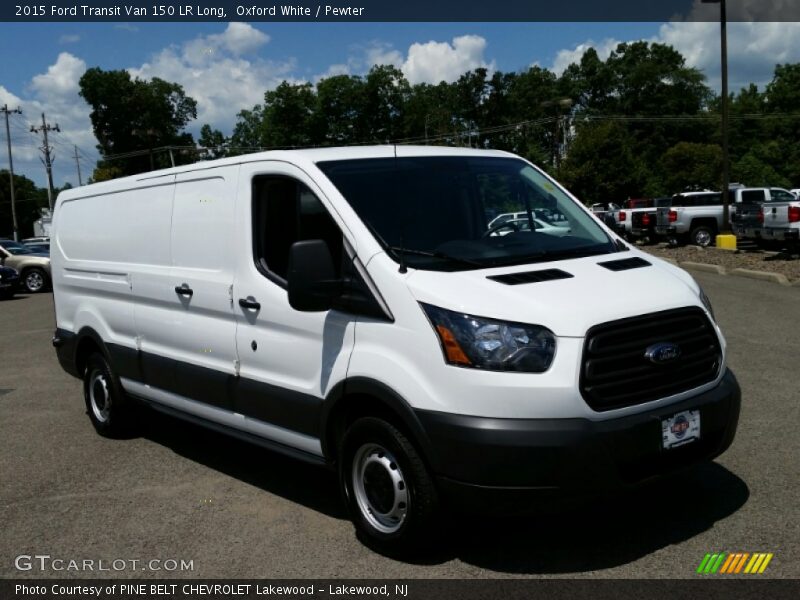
458,213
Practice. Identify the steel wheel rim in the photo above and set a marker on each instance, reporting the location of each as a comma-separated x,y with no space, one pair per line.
99,398
34,281
380,488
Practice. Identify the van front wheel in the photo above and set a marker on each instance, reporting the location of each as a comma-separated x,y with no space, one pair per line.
390,494
105,401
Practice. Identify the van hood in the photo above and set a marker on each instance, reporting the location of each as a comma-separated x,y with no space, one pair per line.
568,307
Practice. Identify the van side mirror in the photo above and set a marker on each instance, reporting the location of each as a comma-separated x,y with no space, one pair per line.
311,278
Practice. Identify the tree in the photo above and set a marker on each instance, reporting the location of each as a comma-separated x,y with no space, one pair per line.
689,165
131,114
340,114
602,166
29,200
214,141
288,116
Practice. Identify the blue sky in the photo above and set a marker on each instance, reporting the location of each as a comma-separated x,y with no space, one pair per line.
227,67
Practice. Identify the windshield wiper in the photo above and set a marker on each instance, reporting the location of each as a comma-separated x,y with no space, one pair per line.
441,255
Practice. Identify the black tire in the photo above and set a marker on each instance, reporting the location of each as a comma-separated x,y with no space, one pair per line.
35,280
702,236
377,459
109,410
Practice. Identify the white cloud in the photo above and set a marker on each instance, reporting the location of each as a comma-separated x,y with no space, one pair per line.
753,48
333,70
61,78
566,57
433,62
6,97
381,53
214,71
55,93
69,39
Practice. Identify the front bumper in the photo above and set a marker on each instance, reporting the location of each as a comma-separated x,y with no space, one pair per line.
500,463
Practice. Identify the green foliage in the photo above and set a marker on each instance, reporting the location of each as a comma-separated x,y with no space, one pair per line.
215,142
29,200
130,114
689,165
602,166
639,123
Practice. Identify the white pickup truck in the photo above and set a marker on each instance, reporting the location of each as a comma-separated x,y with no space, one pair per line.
696,217
781,221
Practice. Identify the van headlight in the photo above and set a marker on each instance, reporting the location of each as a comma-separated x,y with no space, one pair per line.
482,343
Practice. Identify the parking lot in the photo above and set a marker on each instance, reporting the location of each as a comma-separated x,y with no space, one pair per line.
179,492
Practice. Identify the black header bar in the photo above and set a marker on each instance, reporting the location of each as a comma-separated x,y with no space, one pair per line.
395,11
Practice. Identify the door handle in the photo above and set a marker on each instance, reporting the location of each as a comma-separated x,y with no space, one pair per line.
183,290
249,304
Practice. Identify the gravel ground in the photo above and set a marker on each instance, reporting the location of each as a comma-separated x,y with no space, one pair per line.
756,260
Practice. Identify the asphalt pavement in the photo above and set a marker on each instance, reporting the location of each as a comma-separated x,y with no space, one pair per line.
180,493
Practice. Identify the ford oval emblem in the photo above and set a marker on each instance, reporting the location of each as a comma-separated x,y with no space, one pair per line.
662,353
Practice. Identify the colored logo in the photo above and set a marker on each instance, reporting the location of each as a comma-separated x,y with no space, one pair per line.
662,353
680,427
735,562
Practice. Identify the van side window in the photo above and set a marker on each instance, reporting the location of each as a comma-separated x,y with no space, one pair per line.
286,211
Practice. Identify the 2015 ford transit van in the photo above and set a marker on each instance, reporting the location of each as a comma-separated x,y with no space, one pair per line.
361,307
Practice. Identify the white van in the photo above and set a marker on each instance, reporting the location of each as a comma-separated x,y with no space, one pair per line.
353,307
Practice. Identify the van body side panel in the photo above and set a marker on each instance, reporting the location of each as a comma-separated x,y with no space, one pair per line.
201,352
289,360
101,245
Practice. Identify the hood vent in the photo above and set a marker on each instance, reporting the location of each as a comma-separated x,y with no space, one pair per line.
625,264
531,276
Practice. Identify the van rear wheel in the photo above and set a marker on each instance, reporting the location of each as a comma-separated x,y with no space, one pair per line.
388,490
105,401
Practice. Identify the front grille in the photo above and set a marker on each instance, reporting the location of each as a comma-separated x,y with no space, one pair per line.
616,372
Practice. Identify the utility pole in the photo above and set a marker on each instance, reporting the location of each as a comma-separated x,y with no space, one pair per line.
723,39
78,166
6,111
48,159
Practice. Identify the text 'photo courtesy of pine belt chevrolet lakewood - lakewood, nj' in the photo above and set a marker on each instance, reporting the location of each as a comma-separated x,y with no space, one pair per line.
445,327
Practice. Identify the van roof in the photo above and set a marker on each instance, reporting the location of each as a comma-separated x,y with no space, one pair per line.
298,157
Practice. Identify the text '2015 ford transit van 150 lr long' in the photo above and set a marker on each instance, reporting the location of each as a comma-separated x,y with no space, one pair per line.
354,307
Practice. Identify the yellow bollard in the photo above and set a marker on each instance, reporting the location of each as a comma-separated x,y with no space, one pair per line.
726,242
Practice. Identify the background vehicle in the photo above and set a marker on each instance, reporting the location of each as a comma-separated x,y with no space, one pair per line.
643,220
524,225
33,267
696,217
748,218
38,248
781,222
624,216
9,282
36,240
